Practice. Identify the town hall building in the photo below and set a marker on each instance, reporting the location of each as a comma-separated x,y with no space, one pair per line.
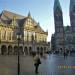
33,37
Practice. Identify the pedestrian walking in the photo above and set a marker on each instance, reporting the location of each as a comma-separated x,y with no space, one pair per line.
65,54
37,61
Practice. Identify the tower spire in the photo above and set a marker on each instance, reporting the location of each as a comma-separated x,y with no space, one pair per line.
72,4
58,17
72,15
29,14
57,4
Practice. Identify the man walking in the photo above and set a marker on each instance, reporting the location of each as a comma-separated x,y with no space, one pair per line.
37,62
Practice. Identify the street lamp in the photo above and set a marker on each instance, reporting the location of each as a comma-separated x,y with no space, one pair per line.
18,65
0,49
33,42
0,42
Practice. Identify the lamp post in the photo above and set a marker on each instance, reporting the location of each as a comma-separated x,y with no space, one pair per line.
18,65
0,43
0,47
33,42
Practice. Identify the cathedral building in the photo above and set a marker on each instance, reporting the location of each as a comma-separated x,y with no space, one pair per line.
64,36
33,37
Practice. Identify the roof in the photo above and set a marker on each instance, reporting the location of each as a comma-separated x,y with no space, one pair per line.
9,15
8,18
57,4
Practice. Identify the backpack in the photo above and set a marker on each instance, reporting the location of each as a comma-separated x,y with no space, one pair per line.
39,61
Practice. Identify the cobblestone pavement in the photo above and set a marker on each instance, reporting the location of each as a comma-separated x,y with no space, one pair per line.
53,65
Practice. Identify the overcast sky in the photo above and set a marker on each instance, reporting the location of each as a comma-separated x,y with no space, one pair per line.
41,11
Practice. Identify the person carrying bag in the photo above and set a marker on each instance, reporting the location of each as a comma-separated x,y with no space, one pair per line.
37,61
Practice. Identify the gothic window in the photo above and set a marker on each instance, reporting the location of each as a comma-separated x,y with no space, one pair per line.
32,37
9,35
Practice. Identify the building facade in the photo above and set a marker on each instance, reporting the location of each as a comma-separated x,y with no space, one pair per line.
33,37
64,36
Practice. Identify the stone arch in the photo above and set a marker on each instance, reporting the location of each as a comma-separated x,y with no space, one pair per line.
10,50
15,50
41,49
26,50
38,49
30,50
44,49
3,50
21,50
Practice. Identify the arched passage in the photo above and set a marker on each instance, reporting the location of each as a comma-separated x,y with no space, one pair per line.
38,49
26,50
10,50
21,50
41,49
44,49
3,50
15,50
30,50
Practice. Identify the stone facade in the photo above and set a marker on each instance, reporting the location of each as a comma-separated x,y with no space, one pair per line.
33,37
63,38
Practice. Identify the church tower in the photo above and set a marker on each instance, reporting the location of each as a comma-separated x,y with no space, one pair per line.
58,18
59,29
72,15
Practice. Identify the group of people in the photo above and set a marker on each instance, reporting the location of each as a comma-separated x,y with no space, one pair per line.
66,53
37,60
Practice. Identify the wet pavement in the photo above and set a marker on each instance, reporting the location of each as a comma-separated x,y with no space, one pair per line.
52,65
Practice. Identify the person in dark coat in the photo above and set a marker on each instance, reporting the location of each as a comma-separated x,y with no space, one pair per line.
37,62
